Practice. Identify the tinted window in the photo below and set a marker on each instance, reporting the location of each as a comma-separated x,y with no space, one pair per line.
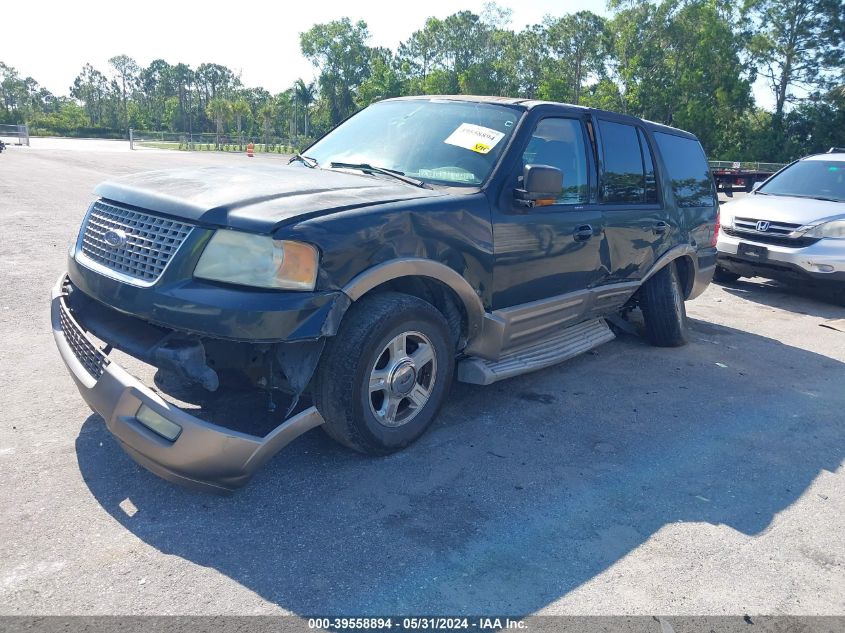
623,179
687,169
560,143
648,162
810,179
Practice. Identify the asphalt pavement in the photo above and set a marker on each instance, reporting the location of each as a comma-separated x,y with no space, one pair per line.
631,480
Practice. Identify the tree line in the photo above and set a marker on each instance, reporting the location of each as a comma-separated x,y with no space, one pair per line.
686,63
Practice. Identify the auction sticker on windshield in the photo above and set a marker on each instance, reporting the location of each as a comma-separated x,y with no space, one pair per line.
475,137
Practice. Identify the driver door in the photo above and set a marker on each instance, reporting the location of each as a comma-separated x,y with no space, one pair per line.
545,253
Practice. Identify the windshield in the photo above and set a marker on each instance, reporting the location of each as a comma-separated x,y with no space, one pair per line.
809,179
441,142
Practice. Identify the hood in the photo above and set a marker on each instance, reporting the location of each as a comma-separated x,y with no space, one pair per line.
256,198
788,209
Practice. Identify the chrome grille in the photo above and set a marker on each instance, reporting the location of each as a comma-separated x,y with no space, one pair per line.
777,233
151,241
92,359
767,238
774,228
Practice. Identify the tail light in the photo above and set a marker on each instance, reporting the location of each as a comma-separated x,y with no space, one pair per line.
716,228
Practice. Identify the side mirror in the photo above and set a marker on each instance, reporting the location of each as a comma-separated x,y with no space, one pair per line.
756,185
541,184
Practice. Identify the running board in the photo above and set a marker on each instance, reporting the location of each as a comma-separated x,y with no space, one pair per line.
562,346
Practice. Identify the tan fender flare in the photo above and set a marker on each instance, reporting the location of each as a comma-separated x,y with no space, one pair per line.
418,267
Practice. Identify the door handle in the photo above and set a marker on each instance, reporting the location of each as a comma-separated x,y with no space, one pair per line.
583,233
660,227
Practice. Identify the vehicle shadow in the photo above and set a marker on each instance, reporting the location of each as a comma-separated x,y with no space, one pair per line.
825,302
522,491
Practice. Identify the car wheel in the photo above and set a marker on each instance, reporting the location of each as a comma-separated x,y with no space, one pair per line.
384,375
662,304
722,275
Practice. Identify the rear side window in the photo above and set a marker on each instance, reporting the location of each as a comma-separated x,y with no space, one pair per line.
628,175
688,171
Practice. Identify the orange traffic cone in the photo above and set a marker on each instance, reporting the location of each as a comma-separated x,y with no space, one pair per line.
250,150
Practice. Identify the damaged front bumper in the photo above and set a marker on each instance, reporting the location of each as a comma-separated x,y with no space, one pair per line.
200,454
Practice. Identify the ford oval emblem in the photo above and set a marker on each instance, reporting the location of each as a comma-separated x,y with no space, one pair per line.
115,238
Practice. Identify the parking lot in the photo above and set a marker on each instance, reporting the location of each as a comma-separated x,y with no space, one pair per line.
631,480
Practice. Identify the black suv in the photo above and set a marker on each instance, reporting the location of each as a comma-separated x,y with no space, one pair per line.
424,238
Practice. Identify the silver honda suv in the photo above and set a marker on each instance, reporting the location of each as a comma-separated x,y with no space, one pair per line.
791,227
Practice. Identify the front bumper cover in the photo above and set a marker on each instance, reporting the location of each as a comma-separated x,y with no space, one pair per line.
785,262
204,456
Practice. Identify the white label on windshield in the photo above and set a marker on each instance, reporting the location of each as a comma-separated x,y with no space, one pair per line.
475,137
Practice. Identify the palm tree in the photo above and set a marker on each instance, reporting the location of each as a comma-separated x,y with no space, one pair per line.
240,111
220,110
306,95
267,115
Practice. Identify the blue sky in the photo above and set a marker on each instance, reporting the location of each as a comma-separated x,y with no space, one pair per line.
66,35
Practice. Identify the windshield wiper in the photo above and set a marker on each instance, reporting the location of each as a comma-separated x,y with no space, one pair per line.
305,160
393,173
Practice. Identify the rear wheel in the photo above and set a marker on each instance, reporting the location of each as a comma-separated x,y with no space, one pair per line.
662,304
722,275
383,377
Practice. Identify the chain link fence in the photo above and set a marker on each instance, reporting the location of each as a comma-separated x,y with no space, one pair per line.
18,132
207,142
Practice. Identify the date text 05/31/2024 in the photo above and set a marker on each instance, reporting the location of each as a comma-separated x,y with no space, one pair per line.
421,623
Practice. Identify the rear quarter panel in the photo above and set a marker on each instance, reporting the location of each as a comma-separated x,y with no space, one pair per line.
692,200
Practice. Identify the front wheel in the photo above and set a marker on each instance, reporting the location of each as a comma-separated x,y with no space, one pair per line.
662,304
384,375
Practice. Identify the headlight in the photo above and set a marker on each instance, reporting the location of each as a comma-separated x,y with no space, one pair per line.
834,229
258,260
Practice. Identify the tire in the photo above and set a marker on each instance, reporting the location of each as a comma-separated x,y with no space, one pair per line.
664,313
724,276
377,366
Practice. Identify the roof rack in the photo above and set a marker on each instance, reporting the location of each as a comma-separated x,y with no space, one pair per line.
836,150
